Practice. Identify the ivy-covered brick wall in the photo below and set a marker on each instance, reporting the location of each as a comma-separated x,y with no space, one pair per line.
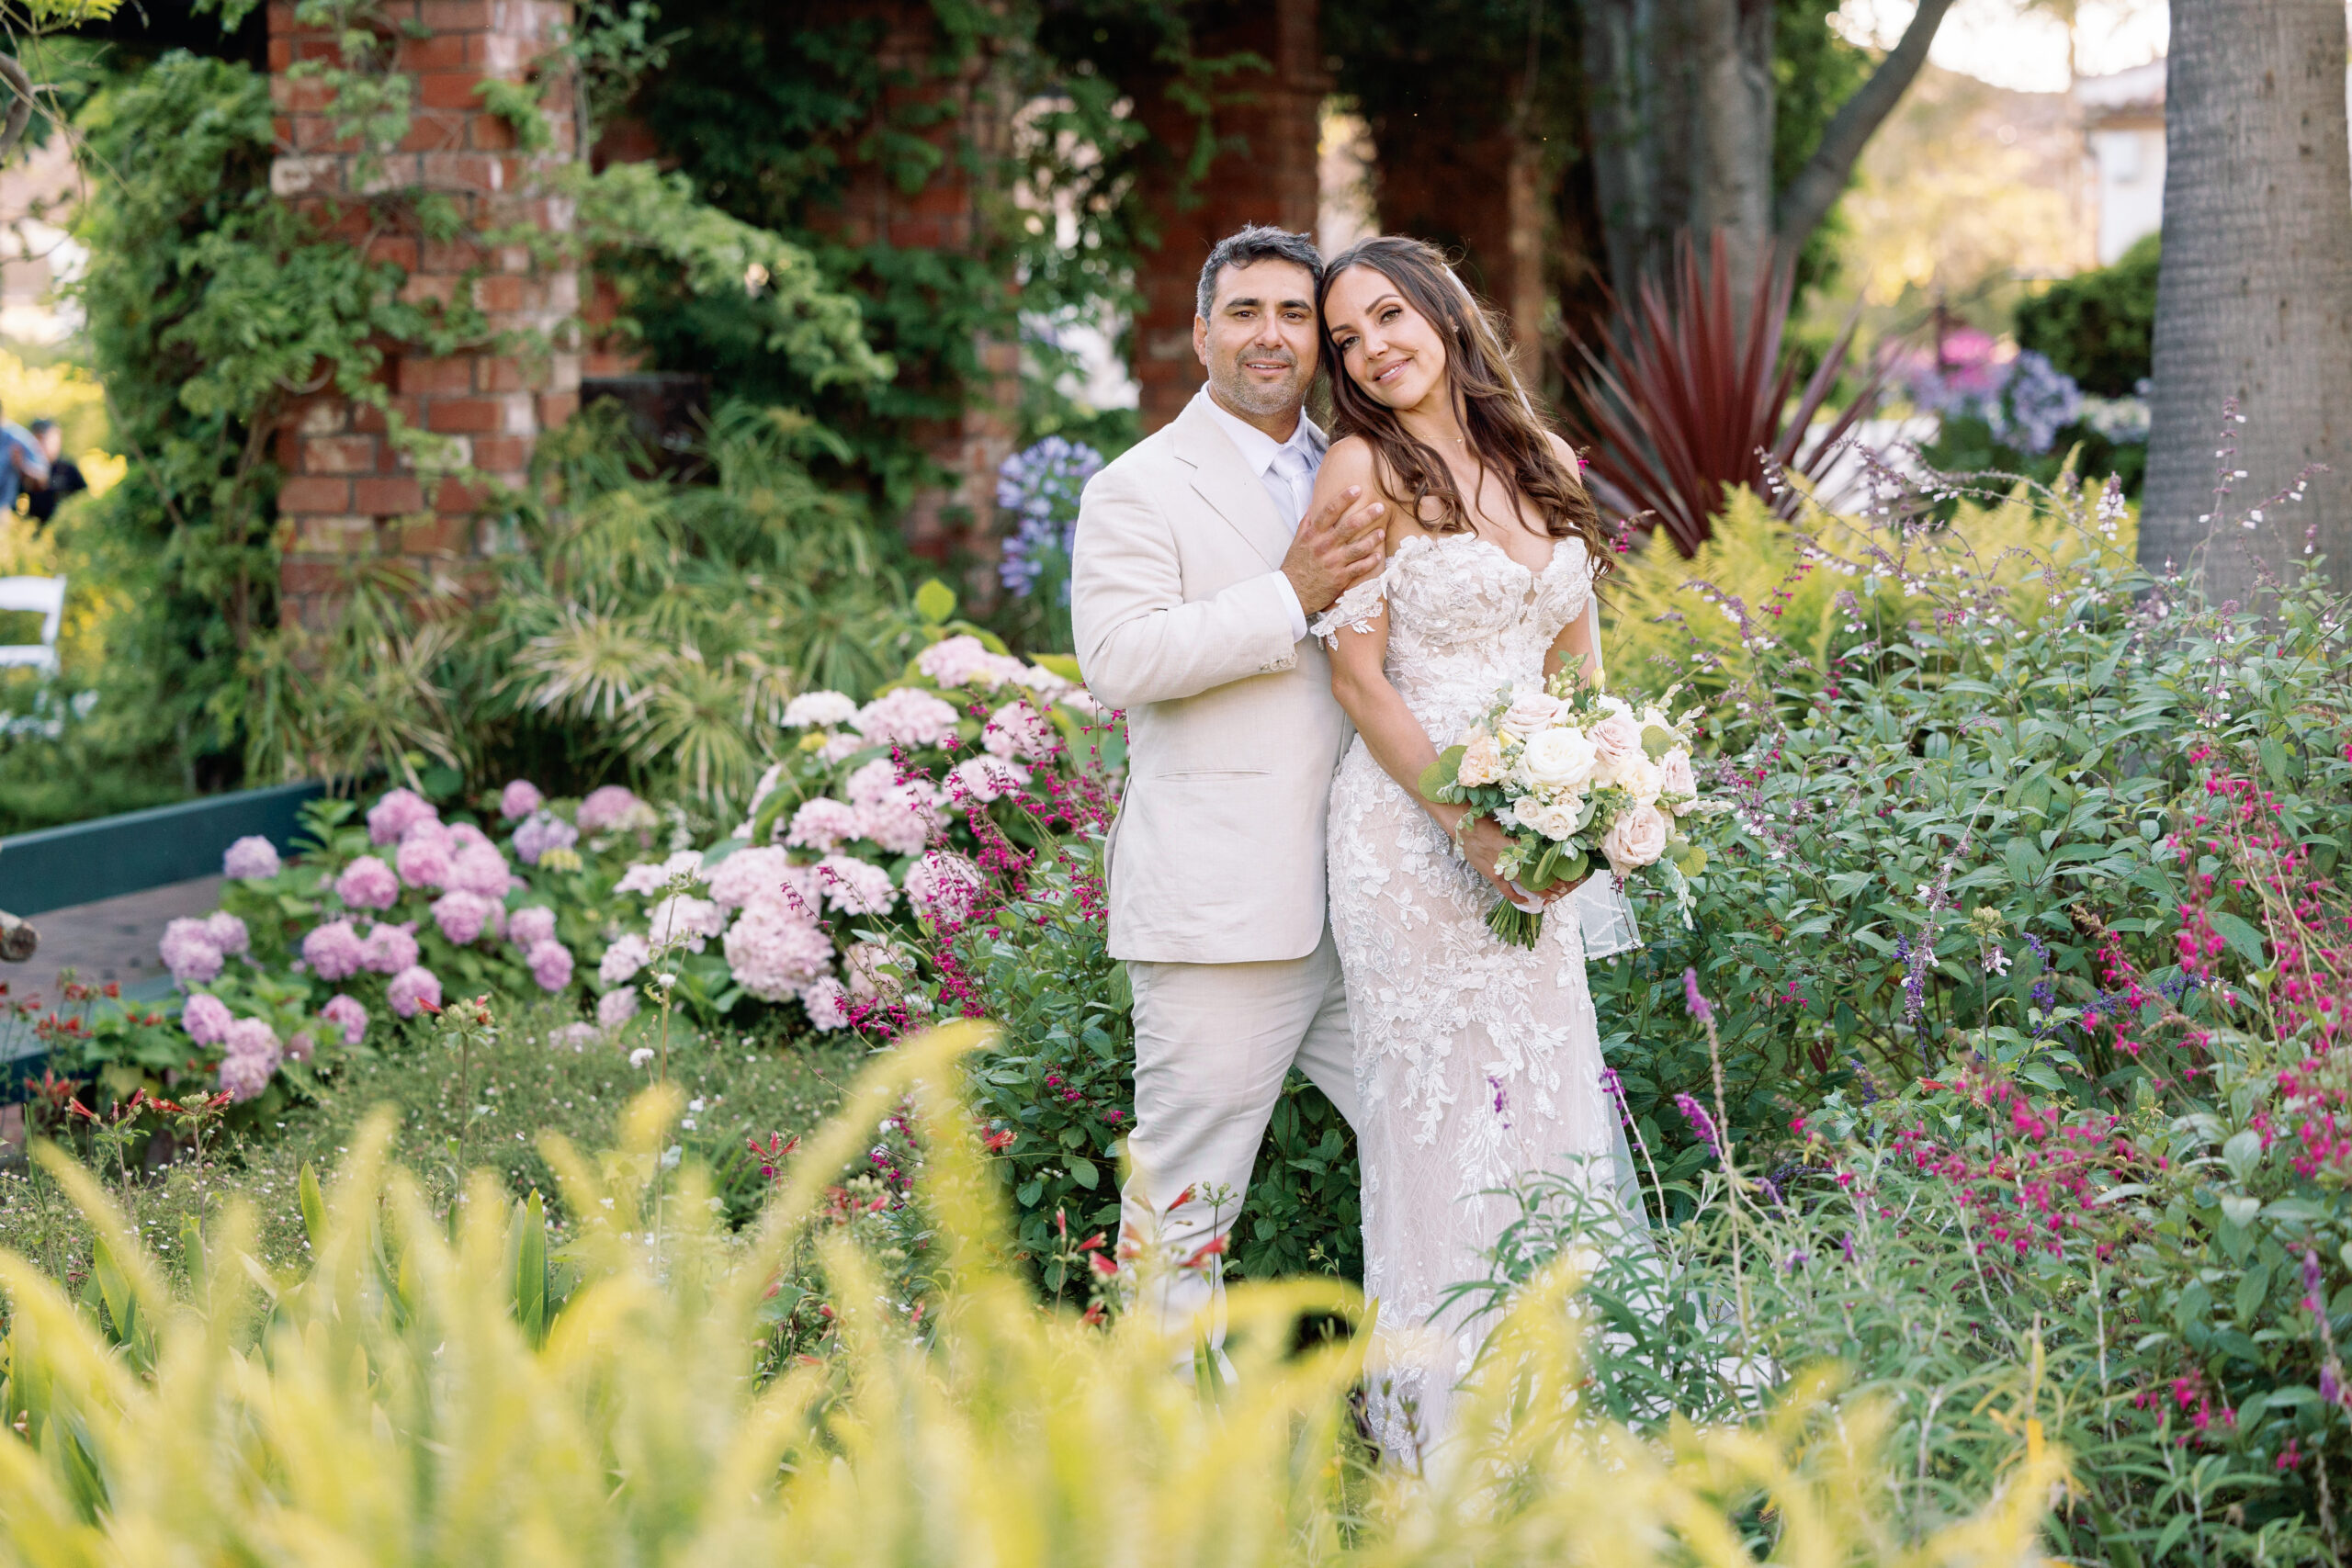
469,180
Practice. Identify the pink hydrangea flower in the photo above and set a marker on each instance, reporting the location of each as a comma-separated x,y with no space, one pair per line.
650,876
301,1047
464,835
550,966
749,874
390,817
347,1014
821,824
681,918
774,950
252,1056
481,869
189,953
413,988
461,915
875,969
206,1018
368,883
251,859
976,781
628,953
904,825
578,1036
856,887
966,661
611,807
840,748
543,832
828,1003
943,886
389,949
819,710
227,933
1018,730
519,799
333,951
530,927
424,860
616,1008
244,1075
906,716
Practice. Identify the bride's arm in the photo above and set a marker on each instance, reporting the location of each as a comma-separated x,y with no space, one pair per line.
1391,733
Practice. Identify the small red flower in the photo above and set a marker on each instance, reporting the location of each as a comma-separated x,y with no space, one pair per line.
1103,1267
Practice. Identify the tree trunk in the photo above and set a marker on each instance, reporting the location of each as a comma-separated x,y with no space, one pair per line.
2254,300
1734,106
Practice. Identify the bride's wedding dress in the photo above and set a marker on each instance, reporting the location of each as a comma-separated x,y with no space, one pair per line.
1476,1062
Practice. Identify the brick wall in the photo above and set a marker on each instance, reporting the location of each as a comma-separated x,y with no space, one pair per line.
347,493
1268,178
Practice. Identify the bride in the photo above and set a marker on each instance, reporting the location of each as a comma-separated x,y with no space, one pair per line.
1475,1062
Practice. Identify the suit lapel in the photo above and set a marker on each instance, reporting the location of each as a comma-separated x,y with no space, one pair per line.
1224,480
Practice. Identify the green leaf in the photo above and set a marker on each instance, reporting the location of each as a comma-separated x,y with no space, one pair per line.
314,1206
1082,1171
2252,1289
2243,940
2243,1153
936,602
1657,740
1442,773
531,1268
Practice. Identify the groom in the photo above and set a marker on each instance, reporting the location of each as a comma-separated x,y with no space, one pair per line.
1195,571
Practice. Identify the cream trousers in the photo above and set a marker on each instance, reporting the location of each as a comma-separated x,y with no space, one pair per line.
1213,1045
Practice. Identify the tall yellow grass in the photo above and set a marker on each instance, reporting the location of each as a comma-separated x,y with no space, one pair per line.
407,1400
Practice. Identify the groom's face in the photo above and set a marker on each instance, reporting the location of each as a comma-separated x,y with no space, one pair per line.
1259,340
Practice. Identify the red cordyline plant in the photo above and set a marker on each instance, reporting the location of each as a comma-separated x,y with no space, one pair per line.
1692,392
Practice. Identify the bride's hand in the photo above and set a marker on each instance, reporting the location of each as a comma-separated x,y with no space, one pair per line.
1482,843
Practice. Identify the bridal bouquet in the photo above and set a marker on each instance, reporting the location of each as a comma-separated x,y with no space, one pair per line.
1570,774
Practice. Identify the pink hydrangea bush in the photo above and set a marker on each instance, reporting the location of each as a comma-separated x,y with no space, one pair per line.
886,823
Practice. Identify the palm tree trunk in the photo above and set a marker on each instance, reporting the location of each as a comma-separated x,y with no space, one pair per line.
2254,302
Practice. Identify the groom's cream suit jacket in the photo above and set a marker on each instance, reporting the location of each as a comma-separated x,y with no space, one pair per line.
1233,735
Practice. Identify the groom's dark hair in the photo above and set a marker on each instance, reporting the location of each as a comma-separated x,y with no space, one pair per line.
1254,242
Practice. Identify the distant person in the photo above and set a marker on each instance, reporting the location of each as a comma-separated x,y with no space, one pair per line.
64,474
23,464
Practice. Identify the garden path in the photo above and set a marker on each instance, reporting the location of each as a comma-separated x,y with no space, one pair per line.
111,939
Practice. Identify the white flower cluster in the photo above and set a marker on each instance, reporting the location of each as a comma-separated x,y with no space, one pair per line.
1550,759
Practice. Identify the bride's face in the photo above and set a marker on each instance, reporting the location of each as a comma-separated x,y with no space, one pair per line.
1384,346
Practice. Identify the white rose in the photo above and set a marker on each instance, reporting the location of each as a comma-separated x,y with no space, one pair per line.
1636,840
1642,779
1554,820
1531,708
1557,759
1674,770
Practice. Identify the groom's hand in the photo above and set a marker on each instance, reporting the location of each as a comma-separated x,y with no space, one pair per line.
1337,545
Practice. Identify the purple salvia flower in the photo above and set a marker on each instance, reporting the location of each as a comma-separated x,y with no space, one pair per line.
1700,1123
1700,1008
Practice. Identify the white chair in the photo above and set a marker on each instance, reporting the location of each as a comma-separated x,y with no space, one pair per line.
45,597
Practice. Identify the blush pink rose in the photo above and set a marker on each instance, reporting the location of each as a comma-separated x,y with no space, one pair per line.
1636,840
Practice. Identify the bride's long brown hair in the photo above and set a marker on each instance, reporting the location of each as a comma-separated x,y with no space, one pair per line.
1496,414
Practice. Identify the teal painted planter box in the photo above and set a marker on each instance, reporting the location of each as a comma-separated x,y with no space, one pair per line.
84,861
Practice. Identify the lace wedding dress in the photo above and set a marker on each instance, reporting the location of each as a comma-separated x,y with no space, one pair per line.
1476,1062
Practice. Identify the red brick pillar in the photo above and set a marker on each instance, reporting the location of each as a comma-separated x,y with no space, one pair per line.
1267,174
347,492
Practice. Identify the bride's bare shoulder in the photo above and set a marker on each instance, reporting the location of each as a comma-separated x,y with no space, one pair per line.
1350,461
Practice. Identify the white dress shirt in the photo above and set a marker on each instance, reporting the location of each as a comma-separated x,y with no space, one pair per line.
1287,470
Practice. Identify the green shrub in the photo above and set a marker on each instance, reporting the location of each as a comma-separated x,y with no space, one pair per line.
2098,326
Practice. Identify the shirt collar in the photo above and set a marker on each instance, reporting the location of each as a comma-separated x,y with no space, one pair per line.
1259,449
